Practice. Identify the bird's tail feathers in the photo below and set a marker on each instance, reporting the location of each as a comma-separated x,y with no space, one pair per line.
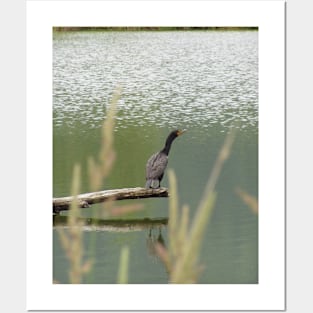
152,183
148,183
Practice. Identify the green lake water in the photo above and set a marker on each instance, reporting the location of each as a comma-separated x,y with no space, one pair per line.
202,81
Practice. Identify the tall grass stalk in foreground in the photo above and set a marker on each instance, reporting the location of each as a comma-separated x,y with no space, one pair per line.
182,257
123,267
99,171
72,240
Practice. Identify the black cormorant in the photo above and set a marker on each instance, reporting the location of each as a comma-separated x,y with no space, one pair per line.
157,163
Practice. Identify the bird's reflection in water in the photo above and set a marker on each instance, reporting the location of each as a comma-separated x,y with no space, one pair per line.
154,237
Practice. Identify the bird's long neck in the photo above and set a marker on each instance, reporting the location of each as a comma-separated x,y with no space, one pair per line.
168,144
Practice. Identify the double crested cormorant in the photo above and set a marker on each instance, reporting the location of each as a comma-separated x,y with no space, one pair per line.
157,163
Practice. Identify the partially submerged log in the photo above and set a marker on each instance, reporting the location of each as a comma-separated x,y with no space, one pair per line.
86,199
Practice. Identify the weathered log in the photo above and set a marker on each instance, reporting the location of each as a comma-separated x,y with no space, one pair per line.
86,199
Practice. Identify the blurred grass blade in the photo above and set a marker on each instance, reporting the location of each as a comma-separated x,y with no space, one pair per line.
163,255
173,213
72,240
185,247
123,267
183,227
74,211
186,267
107,153
250,201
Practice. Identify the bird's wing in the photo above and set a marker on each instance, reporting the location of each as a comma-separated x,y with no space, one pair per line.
156,165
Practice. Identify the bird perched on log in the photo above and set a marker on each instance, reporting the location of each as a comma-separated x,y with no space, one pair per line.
157,163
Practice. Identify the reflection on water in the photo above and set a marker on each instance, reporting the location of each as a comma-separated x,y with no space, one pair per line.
201,80
153,239
150,229
123,225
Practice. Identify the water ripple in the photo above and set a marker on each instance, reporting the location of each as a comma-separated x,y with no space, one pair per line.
195,79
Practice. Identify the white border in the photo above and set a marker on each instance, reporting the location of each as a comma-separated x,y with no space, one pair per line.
269,294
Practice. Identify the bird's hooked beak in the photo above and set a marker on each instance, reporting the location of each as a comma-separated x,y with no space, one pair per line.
180,132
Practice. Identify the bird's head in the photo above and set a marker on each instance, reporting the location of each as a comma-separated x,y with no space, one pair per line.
171,137
179,132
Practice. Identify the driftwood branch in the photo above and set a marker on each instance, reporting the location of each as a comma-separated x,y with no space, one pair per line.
86,199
